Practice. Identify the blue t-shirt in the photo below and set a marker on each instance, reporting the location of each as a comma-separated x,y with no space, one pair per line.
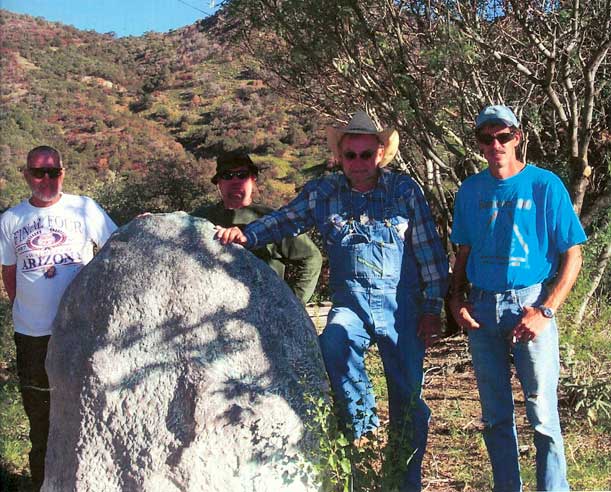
516,227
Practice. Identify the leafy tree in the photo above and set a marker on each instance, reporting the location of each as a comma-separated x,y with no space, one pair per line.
429,67
162,187
143,103
13,188
557,57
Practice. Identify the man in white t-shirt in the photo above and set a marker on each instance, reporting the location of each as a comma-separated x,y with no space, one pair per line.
44,242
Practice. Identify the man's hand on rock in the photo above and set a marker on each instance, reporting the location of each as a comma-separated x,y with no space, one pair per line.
230,235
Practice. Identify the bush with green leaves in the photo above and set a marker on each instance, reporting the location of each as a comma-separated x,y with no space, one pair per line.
590,298
586,387
160,188
330,460
376,462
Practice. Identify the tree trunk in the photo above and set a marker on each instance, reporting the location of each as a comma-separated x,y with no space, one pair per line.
580,184
596,209
601,265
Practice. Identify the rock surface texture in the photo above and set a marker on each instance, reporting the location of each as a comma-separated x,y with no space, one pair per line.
178,364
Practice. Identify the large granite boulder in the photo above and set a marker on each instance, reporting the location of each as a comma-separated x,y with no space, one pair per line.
178,364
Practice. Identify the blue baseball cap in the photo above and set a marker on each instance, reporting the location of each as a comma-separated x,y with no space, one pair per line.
496,115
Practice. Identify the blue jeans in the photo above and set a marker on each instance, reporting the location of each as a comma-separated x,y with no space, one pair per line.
537,364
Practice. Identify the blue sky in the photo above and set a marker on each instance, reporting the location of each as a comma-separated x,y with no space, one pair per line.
124,17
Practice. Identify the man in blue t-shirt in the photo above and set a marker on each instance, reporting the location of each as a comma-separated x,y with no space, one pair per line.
518,243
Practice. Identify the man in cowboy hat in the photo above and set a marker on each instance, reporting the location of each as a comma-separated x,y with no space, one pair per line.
236,179
388,277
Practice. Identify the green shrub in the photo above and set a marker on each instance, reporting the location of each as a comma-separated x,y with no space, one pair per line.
330,460
376,462
586,387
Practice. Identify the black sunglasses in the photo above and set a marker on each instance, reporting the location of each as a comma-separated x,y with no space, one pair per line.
227,175
39,172
351,155
503,138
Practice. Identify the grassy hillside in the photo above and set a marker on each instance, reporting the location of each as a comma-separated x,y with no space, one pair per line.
126,111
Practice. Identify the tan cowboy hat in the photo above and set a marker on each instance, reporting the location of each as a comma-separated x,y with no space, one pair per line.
361,123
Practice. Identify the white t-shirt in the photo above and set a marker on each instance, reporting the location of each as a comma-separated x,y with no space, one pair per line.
49,245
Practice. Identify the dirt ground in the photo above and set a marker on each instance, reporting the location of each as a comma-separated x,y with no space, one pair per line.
456,458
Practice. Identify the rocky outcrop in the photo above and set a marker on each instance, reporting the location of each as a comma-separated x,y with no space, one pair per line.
178,364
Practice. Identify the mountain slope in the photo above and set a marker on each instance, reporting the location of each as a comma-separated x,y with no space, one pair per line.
128,113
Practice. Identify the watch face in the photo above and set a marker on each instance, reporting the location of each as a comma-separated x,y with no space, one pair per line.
547,312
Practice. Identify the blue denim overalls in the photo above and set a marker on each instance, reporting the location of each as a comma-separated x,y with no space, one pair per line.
376,297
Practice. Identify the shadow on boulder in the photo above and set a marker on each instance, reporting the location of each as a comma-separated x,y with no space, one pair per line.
180,364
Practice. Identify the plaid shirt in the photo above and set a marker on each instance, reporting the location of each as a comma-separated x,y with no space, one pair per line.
323,200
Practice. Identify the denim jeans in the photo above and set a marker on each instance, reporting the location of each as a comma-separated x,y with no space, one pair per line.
537,364
35,393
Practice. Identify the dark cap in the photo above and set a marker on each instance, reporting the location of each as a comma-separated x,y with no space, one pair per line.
231,160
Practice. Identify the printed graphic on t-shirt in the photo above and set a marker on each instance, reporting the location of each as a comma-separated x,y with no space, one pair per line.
46,243
503,232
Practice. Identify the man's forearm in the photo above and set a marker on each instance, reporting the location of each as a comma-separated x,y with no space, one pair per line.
308,271
433,265
567,275
459,306
459,282
305,285
432,305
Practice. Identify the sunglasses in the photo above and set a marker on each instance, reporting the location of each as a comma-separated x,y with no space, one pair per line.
365,155
503,138
39,172
227,175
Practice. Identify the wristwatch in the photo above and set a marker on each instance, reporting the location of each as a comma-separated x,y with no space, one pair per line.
548,312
